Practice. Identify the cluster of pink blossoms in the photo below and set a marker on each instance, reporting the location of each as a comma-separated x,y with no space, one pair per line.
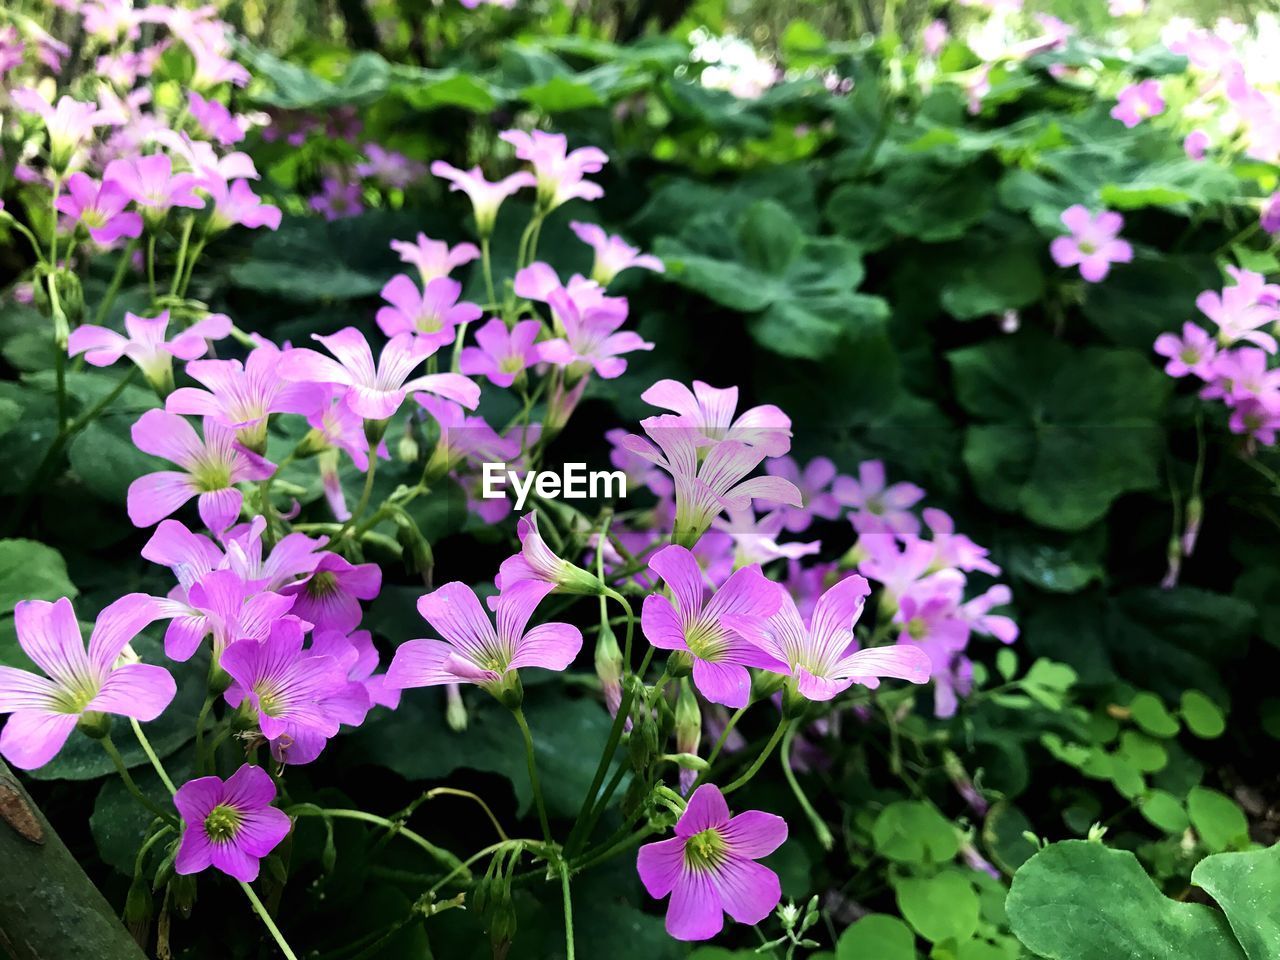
1235,360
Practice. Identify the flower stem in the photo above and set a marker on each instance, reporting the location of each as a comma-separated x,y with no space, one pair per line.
130,784
176,282
719,745
443,856
365,494
487,265
261,911
821,829
151,755
759,761
518,713
117,278
568,910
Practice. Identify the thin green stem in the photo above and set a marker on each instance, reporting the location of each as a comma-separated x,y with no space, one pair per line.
270,924
117,279
129,783
453,792
365,494
518,713
752,770
719,744
620,847
151,265
443,856
822,831
180,266
487,265
151,755
568,910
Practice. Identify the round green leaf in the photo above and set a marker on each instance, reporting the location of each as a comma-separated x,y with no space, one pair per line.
1202,716
1218,819
943,907
1162,809
911,832
877,935
1150,714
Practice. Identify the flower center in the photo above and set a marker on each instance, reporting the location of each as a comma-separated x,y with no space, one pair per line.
511,364
705,850
917,628
1087,248
705,640
322,584
73,700
222,823
212,476
268,699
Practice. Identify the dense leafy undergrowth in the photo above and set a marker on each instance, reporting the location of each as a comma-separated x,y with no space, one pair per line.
1002,280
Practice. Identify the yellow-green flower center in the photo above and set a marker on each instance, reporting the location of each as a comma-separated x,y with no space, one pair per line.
705,850
322,584
222,823
212,476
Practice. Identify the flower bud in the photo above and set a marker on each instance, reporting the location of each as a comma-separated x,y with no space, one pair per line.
182,893
1195,516
609,668
680,664
455,711
407,450
765,683
688,733
138,906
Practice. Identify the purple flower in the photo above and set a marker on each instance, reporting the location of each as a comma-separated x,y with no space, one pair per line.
1195,145
560,174
701,627
640,471
710,412
349,703
215,120
431,314
151,183
100,207
285,687
1269,219
43,710
146,346
210,470
822,655
337,199
1193,352
877,508
709,866
388,168
932,622
230,825
69,124
1242,308
485,197
501,354
1137,102
705,487
899,570
953,549
375,392
241,396
222,604
235,204
613,254
1093,243
337,425
537,561
755,539
472,651
814,484
330,597
434,258
589,340
978,612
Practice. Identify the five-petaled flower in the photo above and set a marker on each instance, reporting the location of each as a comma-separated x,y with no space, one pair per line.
230,825
1093,244
709,867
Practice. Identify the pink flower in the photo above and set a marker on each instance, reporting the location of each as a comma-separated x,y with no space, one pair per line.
815,486
434,258
1195,144
1193,352
1126,8
330,597
537,561
822,655
388,167
146,346
701,627
215,120
236,204
210,470
709,866
485,197
1093,243
431,314
560,174
590,340
151,183
221,604
375,392
1137,102
43,710
877,508
472,651
755,539
288,688
1242,308
613,254
953,549
710,413
705,486
241,396
69,124
100,207
230,825
501,354
1269,219
978,612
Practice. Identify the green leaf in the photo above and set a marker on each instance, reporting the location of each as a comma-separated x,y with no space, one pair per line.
914,832
293,87
1246,886
1078,900
986,285
1202,716
941,907
104,457
1164,810
1004,835
1218,819
30,570
1061,432
1150,714
877,935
